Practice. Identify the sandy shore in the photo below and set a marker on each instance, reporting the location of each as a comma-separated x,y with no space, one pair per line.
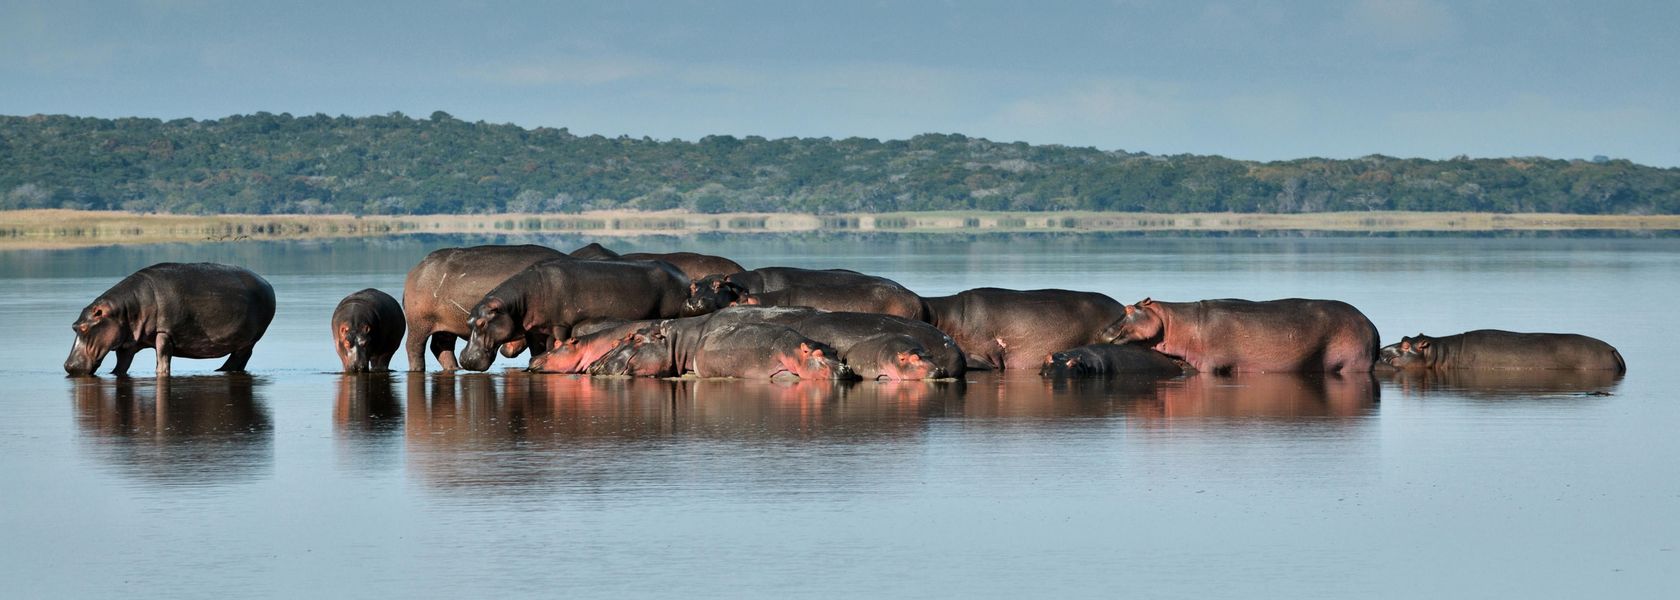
70,228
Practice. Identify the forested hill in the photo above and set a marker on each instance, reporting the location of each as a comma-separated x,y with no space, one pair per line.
266,163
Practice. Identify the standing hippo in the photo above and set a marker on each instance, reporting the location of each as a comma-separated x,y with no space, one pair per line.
692,264
744,350
827,289
1495,349
1224,336
544,301
443,288
367,328
1015,329
1109,359
198,310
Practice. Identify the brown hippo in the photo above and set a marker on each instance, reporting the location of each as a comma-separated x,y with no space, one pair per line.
827,289
1222,336
574,355
443,288
1015,329
544,301
1495,349
198,310
875,346
1109,359
367,328
692,264
744,350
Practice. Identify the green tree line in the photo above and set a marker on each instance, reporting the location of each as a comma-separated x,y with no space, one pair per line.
395,164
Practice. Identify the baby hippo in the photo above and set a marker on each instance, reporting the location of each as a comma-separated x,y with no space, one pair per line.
747,350
1098,360
893,357
1495,349
367,327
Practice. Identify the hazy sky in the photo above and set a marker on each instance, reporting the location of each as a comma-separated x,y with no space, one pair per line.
1254,80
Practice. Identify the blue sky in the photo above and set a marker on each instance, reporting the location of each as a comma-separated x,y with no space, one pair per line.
1252,80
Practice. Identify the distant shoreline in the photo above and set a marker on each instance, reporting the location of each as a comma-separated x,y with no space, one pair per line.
57,228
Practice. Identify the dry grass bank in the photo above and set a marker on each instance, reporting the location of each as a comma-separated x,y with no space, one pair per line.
69,228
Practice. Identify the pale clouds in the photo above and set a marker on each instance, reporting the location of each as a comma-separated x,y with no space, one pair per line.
567,70
1401,22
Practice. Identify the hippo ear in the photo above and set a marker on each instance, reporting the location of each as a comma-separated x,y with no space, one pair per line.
98,312
816,353
753,301
1146,301
1422,344
1130,310
692,288
804,349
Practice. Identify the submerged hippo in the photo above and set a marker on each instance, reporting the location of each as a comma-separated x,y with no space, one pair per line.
198,310
743,350
1220,336
1109,359
367,328
1495,349
1015,329
543,302
443,288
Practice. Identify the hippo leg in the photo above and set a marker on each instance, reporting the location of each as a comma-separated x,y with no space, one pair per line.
125,357
163,346
416,346
236,361
382,362
443,347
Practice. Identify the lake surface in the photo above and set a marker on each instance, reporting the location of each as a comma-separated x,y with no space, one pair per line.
294,481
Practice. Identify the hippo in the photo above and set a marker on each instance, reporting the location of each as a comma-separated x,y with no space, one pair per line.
935,354
743,350
1109,359
939,356
827,289
692,264
1496,349
1226,336
443,288
594,251
544,301
574,355
1015,329
197,310
891,357
878,298
367,328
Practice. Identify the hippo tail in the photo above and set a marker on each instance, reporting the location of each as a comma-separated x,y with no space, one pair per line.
1621,365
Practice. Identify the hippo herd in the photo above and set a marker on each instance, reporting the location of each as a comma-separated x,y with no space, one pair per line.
598,312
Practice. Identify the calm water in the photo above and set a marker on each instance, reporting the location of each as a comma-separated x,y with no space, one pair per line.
294,481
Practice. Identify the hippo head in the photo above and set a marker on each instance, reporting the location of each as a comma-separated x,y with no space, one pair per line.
710,294
1063,364
99,329
1142,322
893,358
644,353
815,360
489,325
353,337
1412,352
